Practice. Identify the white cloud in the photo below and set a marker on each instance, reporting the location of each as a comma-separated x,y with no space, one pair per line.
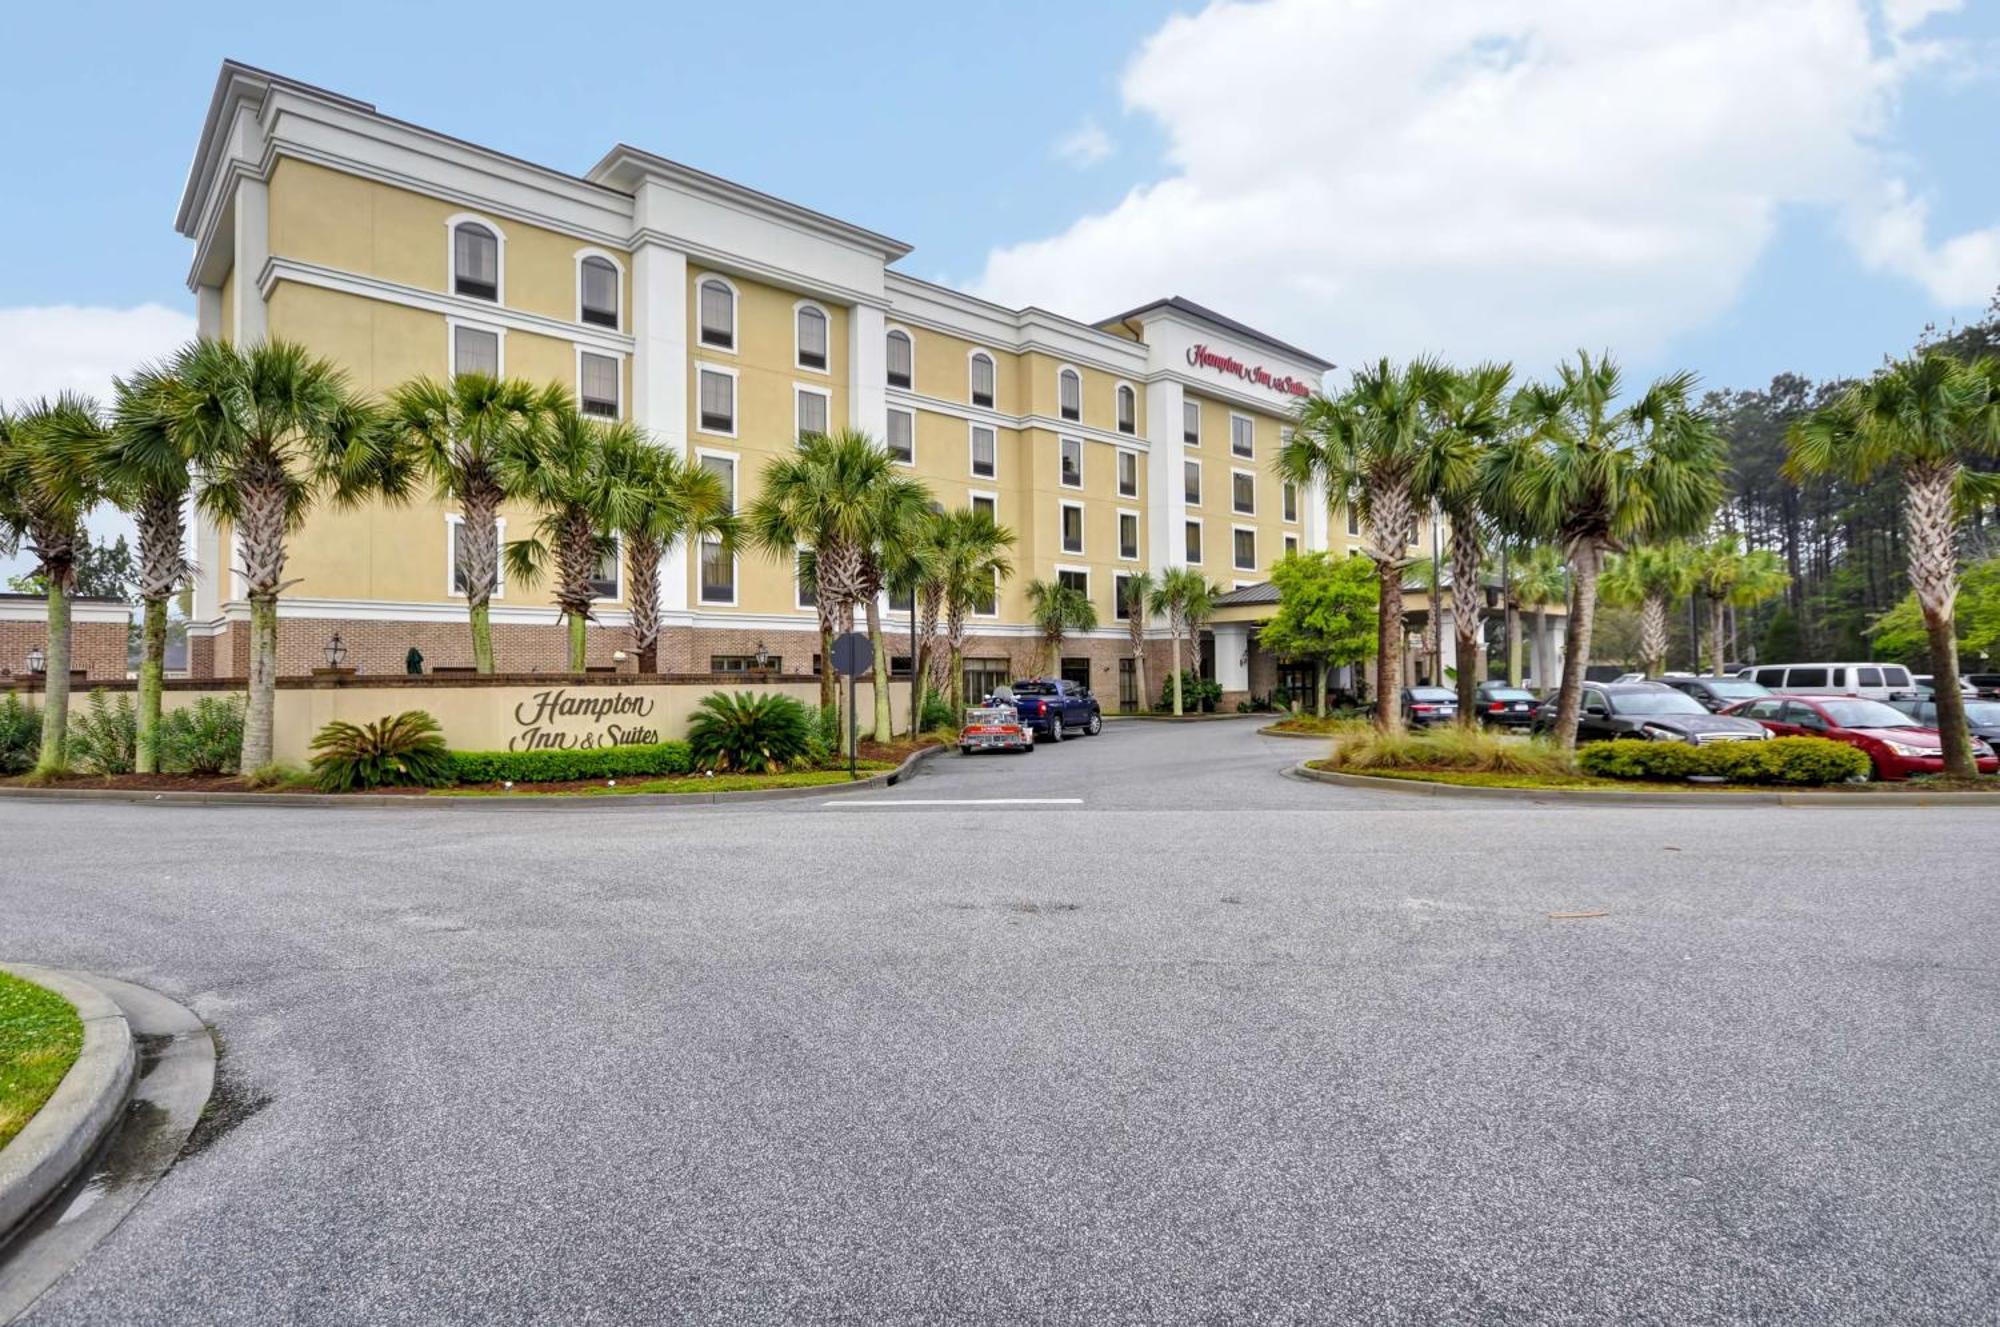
1083,146
69,348
1501,177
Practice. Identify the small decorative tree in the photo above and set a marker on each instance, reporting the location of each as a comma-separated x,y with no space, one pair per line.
1326,613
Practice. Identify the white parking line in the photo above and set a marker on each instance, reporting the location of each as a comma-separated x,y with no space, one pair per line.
951,801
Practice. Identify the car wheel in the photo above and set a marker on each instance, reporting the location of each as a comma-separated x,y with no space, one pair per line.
965,751
1095,726
1055,729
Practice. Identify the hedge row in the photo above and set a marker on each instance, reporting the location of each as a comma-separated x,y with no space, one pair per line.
604,762
1808,762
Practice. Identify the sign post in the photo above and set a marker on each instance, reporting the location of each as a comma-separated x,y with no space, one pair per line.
851,655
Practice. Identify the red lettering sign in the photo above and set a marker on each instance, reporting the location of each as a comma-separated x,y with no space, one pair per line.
1201,357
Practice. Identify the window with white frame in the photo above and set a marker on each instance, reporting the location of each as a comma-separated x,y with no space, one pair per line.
1074,579
1072,463
717,302
812,411
1353,519
1128,409
457,547
985,502
1069,390
1072,527
718,400
902,359
1193,545
803,584
475,350
1191,423
1191,472
1246,549
597,384
1242,436
475,261
982,379
988,604
597,294
717,563
1291,500
1128,534
811,326
1243,492
1128,474
903,436
1121,594
1291,545
985,452
604,575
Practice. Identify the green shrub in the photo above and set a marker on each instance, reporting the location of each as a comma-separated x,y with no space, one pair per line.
1198,694
20,734
1803,762
406,751
1807,762
1631,759
104,736
638,760
1466,750
937,714
823,743
203,738
749,733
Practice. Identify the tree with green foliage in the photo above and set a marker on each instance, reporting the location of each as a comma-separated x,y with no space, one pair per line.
49,478
676,504
1649,578
583,501
1057,610
1466,412
1138,594
973,562
1582,472
1929,418
1901,632
1540,580
1728,575
103,571
1326,614
1183,597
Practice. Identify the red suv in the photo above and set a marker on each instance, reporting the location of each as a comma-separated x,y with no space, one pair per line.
1897,747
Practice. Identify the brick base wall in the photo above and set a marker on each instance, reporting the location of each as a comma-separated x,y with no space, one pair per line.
98,648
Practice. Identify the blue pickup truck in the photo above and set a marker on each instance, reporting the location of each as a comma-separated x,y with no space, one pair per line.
1051,708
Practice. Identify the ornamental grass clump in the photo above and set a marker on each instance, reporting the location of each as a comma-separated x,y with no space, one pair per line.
749,734
1462,750
407,751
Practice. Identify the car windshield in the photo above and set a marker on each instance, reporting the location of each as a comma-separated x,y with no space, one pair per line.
1865,714
1432,693
1509,693
1035,688
1736,690
1663,701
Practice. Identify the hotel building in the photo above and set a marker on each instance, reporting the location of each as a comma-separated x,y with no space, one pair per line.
724,322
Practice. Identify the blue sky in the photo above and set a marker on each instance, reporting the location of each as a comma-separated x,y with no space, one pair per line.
1729,248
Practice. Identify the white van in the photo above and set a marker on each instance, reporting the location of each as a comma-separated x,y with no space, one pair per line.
1876,681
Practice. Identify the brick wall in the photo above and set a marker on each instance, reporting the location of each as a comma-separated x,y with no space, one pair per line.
374,648
96,647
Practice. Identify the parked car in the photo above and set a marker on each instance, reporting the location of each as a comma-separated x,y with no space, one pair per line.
1927,685
1649,711
1424,706
1716,694
1052,707
1894,743
1877,681
1986,684
994,728
1981,716
1501,706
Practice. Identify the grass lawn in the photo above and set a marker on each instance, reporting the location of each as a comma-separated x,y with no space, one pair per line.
1483,779
1318,727
40,1036
721,783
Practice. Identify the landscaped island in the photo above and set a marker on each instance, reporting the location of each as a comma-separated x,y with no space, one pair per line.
40,1038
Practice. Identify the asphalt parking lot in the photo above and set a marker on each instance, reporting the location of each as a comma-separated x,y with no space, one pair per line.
1132,1029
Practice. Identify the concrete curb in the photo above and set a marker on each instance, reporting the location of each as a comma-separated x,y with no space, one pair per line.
1611,797
1184,718
85,1107
528,801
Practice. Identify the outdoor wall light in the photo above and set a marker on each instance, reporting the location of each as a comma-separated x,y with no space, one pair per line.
336,651
37,661
763,656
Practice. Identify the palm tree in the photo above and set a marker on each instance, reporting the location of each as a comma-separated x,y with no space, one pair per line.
272,431
1727,574
1592,477
1466,413
1929,418
1648,578
1182,596
48,480
1364,447
1540,579
902,508
1138,597
147,469
913,566
675,503
973,562
459,434
1057,610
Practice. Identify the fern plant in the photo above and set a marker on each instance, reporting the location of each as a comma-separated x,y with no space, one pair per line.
749,734
407,751
104,738
20,734
203,738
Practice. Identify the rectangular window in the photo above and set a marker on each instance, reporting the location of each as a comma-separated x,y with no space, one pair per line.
475,262
1353,520
743,663
984,676
812,339
597,385
1128,534
475,350
1868,677
1241,436
1072,463
812,409
1077,673
1128,684
1127,411
1194,541
1291,544
982,381
1071,391
984,452
604,576
600,293
718,315
1291,500
1192,470
718,401
1243,492
1246,550
802,581
1191,423
1075,580
1128,474
1806,677
1119,608
987,505
903,436
988,604
724,468
718,573
1072,528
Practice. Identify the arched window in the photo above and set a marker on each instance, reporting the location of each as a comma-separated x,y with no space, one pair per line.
475,261
982,379
1069,388
811,333
718,313
1128,410
902,359
597,291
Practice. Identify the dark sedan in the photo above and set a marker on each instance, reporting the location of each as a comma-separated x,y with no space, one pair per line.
1981,716
1424,706
1501,706
1649,711
1717,694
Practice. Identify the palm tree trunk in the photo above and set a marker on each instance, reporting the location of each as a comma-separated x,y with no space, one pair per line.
480,567
1389,649
1541,651
1586,561
1653,635
1468,609
642,572
1513,642
54,756
1319,699
1715,636
578,641
152,676
1139,662
260,712
827,695
1928,515
1177,674
885,732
